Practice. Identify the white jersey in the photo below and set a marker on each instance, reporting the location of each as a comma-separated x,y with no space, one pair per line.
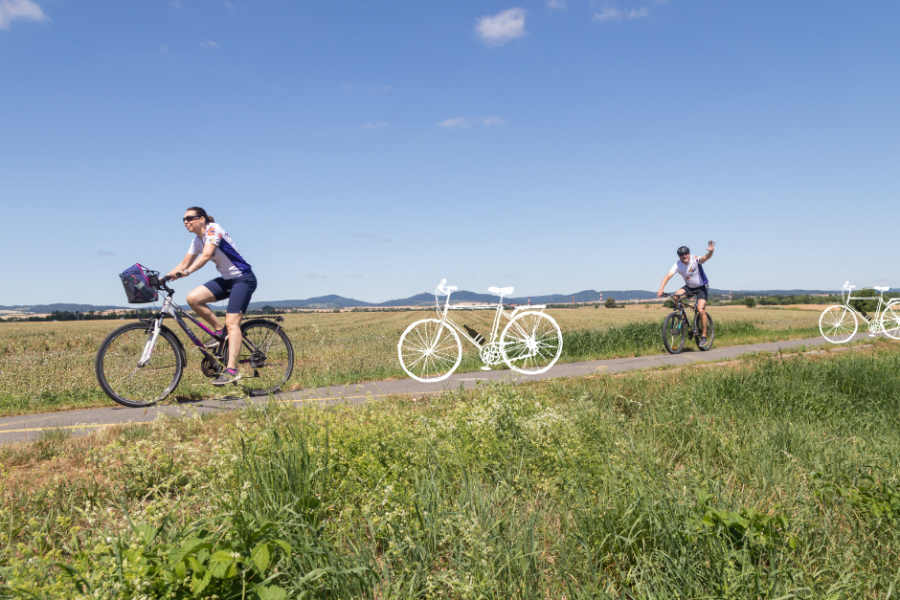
228,260
692,272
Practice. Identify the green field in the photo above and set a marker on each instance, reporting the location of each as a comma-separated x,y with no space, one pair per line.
49,366
771,478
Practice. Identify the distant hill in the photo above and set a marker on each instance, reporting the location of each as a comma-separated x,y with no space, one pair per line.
331,301
423,299
61,307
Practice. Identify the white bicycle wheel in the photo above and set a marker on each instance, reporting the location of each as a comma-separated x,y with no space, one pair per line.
429,351
890,321
837,324
531,343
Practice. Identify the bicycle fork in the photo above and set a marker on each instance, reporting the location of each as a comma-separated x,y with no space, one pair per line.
151,344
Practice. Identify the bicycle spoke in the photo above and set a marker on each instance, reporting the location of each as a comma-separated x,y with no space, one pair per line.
429,350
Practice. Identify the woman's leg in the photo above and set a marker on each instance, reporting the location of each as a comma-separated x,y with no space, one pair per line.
238,303
233,324
198,299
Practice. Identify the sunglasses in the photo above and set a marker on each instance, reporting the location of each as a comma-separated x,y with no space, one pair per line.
193,218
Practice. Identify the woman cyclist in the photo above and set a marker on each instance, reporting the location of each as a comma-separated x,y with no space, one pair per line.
237,283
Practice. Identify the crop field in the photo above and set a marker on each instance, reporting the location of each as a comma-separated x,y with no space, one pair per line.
49,366
775,477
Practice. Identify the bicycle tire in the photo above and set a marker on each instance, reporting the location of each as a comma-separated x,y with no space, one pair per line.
531,347
674,333
427,349
264,374
710,331
834,324
117,371
890,321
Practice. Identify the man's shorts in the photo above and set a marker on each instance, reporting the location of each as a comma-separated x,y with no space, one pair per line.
701,291
238,291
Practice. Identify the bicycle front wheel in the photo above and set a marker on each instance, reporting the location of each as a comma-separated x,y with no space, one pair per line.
710,331
531,343
890,321
429,350
127,383
266,360
674,332
838,324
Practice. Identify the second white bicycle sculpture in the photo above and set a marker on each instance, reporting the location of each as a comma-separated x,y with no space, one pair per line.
530,343
838,323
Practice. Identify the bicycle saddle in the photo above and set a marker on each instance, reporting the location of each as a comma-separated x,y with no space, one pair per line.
882,289
501,291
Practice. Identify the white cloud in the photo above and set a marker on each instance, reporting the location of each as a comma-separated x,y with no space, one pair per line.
501,28
454,123
209,44
229,5
557,4
374,125
637,13
608,14
25,10
462,122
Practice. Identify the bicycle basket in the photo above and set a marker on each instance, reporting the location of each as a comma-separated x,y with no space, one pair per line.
140,284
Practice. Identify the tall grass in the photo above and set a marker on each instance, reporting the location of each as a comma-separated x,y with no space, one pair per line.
778,478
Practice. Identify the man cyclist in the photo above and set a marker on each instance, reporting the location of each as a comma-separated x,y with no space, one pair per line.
695,281
237,283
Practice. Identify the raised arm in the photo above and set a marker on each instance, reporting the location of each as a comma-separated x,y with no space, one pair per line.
709,253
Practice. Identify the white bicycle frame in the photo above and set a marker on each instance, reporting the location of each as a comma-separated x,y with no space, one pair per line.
882,306
447,322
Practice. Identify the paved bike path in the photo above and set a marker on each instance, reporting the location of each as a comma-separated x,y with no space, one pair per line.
81,422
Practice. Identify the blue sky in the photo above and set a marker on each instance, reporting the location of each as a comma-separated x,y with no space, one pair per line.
370,149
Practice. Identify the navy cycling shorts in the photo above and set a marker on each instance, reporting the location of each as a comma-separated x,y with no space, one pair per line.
701,292
238,291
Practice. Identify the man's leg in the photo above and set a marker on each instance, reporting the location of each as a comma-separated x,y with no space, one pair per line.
701,308
198,299
233,324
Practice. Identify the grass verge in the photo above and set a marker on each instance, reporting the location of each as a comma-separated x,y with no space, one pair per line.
775,478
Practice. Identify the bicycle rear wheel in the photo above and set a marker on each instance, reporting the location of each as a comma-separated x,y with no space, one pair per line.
674,332
710,331
120,376
531,343
890,321
267,364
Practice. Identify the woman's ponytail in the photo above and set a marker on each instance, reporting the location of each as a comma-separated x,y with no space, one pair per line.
202,213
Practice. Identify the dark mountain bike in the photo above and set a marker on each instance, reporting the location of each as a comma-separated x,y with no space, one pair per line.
677,326
140,364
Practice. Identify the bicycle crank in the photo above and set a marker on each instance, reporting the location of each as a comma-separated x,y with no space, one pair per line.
490,354
210,368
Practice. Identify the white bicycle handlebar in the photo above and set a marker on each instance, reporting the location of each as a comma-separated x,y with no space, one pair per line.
443,290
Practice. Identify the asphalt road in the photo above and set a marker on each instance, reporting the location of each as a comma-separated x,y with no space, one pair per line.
81,422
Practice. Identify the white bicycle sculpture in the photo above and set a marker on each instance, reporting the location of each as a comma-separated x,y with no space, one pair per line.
838,323
430,349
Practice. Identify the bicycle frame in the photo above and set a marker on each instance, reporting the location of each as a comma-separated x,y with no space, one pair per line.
171,309
681,302
447,322
882,305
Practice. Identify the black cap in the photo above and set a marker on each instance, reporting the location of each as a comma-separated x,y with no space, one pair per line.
683,250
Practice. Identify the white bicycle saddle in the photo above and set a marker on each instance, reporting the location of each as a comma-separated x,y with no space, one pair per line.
501,291
882,289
